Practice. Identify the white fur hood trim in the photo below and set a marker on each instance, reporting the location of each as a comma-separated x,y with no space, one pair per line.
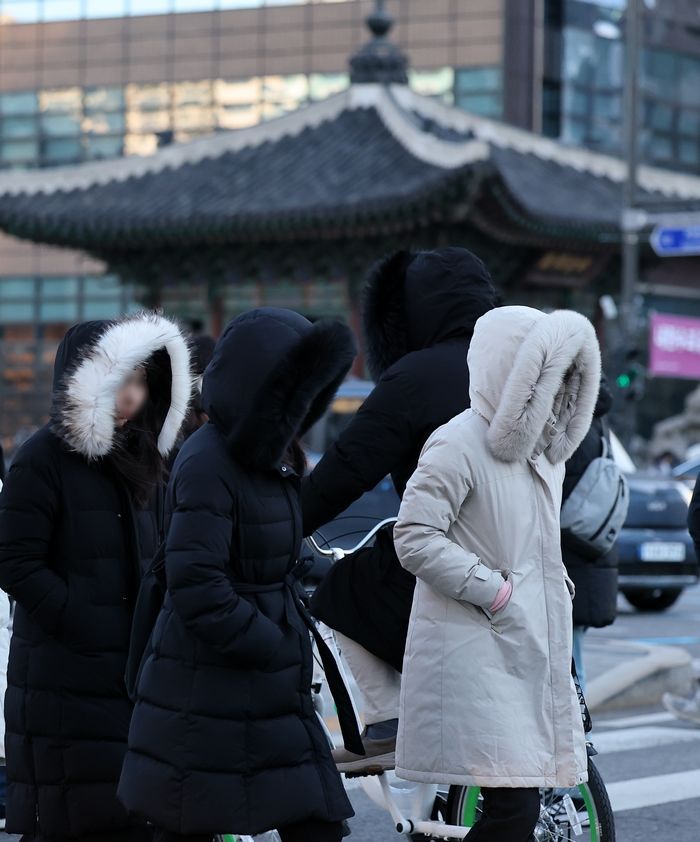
88,408
535,377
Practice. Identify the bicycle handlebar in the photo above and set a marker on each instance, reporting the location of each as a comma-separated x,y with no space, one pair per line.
336,553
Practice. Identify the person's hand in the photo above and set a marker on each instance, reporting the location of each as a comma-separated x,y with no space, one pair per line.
502,597
571,586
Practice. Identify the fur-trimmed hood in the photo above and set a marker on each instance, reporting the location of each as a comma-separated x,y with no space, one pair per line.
94,359
535,378
272,376
414,300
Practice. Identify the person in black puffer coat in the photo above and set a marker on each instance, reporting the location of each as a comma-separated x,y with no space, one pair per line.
419,313
595,602
224,737
75,531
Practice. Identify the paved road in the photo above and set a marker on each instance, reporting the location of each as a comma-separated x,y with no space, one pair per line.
650,762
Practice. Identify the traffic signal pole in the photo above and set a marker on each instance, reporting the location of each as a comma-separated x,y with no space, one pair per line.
630,226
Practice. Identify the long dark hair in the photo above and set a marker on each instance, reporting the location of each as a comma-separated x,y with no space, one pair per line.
135,457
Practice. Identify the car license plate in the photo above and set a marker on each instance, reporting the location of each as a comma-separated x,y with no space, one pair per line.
662,551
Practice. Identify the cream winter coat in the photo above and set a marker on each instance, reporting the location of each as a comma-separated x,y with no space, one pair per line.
489,700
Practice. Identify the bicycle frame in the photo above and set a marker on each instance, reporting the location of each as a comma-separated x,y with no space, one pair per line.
408,818
413,815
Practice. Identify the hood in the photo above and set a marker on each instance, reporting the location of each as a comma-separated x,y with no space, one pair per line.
92,362
535,378
414,300
272,376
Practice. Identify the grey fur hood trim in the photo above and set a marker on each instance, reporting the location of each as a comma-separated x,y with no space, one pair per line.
535,377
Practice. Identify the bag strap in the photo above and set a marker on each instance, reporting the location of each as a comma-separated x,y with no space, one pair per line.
585,712
339,691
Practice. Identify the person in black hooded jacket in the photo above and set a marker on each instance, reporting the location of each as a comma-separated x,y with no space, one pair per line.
75,530
224,736
419,313
595,601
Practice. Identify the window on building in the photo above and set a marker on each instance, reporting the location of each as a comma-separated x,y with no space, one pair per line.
12,127
283,93
105,297
64,150
20,11
150,7
20,102
323,85
26,152
194,5
100,100
17,300
479,89
106,8
436,83
97,148
63,9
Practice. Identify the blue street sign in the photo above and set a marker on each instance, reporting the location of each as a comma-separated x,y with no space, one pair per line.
674,241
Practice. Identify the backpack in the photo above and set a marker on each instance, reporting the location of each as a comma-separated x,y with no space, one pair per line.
149,601
595,511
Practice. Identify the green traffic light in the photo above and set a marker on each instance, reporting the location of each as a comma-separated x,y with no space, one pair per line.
624,381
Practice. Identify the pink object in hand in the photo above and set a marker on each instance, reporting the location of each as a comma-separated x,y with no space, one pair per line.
502,597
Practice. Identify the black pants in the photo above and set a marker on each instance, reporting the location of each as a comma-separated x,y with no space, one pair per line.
510,815
311,831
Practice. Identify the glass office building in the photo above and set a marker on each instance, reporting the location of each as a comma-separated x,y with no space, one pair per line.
84,80
583,86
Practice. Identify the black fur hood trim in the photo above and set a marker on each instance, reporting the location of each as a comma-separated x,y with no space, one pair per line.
272,377
417,299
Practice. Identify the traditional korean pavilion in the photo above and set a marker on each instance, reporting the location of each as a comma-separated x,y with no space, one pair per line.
311,198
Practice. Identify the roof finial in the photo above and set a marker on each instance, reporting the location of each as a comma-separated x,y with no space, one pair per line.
379,60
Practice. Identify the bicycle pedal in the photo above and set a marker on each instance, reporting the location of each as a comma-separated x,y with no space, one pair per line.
370,772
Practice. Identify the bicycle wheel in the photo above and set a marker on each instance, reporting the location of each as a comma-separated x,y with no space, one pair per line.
583,814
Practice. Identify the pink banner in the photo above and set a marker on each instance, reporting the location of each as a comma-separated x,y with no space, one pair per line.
674,346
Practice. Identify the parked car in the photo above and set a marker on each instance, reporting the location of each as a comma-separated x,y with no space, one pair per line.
657,556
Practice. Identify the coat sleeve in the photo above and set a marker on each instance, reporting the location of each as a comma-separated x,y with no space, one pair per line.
197,549
374,443
431,504
29,508
694,518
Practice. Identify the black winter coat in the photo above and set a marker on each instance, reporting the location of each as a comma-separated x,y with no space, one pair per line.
419,315
70,552
224,736
595,603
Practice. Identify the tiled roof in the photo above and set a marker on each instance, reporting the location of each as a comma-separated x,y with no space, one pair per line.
371,159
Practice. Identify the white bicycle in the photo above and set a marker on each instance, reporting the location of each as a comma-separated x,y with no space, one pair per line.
423,811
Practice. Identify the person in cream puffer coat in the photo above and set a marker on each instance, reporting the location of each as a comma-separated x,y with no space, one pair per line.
487,695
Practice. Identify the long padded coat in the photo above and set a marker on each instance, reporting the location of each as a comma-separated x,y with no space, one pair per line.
595,603
70,548
224,736
488,700
419,315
